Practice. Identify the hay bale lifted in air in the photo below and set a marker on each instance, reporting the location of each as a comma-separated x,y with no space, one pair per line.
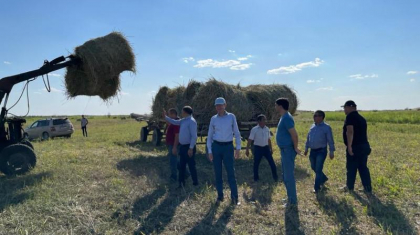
103,59
245,102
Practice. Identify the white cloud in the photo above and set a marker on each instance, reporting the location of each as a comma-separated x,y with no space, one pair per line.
188,59
361,76
294,68
231,51
412,72
7,62
412,80
216,64
330,88
242,58
125,93
54,74
314,81
241,66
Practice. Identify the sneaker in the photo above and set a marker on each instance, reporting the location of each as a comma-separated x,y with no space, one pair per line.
236,202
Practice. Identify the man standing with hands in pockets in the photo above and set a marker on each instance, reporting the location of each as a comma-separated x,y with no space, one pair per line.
223,127
287,140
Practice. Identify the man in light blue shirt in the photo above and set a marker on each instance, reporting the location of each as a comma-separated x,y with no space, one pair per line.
223,127
287,140
187,141
319,136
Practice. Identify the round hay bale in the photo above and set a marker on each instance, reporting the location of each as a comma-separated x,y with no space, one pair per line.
103,59
160,102
237,102
192,89
176,99
263,97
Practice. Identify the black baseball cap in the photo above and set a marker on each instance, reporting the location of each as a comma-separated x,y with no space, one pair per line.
349,103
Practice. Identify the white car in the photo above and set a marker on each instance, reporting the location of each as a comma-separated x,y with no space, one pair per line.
53,127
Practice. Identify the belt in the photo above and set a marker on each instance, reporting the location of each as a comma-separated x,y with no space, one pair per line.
223,143
318,149
260,146
183,145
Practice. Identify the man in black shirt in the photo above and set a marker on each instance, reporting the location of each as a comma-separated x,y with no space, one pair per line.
358,148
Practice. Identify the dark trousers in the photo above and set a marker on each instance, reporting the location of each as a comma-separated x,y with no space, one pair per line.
183,161
358,162
317,158
224,154
259,153
84,130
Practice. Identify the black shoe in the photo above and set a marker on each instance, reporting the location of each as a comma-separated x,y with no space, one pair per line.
325,181
368,189
236,202
219,200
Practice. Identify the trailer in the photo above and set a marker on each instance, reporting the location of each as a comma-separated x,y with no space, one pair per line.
157,129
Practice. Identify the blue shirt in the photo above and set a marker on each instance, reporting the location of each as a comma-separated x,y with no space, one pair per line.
222,129
187,130
319,136
283,137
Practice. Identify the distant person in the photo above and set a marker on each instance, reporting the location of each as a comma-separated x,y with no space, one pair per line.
187,141
358,148
84,122
172,141
319,137
287,140
223,127
260,136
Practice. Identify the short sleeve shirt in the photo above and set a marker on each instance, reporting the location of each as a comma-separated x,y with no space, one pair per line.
260,135
283,137
359,128
170,134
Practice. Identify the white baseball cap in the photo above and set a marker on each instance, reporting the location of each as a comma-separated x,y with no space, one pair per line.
220,100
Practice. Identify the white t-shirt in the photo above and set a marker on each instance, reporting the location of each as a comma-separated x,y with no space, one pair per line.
260,135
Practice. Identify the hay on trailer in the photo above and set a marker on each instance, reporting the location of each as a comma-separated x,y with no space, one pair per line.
192,89
160,102
237,102
103,59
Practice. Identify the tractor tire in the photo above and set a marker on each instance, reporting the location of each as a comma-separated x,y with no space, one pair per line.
143,134
17,159
45,136
27,143
157,137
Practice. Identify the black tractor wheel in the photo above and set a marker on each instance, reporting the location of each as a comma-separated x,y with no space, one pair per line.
27,143
157,137
45,136
143,134
17,159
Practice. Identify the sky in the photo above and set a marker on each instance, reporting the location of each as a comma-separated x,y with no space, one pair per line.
328,51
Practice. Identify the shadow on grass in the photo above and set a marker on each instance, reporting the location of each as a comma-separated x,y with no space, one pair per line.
341,212
386,215
11,188
292,221
206,225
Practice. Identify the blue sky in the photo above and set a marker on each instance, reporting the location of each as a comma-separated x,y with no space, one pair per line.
328,51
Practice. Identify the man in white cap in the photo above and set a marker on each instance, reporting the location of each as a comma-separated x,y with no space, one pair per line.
223,127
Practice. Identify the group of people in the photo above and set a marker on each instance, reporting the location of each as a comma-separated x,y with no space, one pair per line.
181,138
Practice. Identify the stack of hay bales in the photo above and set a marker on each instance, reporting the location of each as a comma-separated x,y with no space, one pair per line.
103,59
245,102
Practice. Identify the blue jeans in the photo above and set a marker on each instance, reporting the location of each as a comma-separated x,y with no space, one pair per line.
224,154
259,153
288,156
317,158
174,163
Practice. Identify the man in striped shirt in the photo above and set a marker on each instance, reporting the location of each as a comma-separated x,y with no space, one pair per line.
223,127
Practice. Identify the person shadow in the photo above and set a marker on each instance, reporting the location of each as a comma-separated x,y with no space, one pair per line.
292,221
387,216
206,225
11,187
342,213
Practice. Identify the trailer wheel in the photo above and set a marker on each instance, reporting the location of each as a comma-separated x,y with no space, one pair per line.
157,137
17,159
45,136
27,143
143,134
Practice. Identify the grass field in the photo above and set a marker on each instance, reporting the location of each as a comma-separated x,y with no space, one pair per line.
109,183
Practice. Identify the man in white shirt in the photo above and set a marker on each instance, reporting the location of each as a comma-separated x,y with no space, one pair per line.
260,135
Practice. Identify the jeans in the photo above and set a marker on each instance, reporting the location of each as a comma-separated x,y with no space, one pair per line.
184,160
259,153
224,154
317,158
84,130
358,162
288,156
174,163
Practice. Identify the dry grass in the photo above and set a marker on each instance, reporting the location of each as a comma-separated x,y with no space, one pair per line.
110,183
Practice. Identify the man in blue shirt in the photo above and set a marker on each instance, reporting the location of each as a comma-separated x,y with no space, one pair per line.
187,141
223,127
287,140
319,136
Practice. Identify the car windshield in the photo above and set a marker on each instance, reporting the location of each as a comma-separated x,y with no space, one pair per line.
35,124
